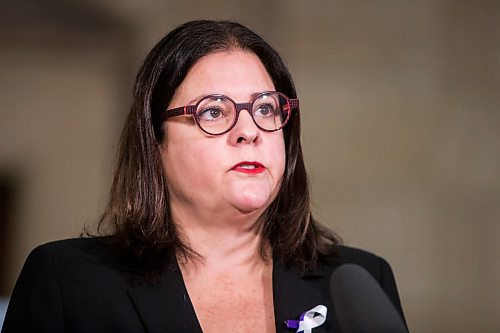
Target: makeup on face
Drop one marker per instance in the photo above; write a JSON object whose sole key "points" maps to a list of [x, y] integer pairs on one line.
{"points": [[249, 167]]}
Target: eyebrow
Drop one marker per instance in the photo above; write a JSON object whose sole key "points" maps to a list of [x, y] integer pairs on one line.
{"points": [[198, 98]]}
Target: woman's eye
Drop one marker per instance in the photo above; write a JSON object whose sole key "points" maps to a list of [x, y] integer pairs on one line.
{"points": [[211, 114], [264, 110]]}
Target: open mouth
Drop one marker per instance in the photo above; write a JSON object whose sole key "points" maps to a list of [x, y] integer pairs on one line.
{"points": [[249, 167]]}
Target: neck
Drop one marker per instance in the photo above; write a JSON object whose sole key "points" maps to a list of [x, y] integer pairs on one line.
{"points": [[223, 241]]}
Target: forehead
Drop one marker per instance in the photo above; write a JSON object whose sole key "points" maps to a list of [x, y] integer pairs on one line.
{"points": [[237, 74]]}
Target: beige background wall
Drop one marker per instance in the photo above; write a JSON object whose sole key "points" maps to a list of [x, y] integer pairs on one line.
{"points": [[401, 115]]}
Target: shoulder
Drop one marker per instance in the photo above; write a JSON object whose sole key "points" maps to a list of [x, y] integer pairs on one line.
{"points": [[355, 255], [77, 266], [72, 249], [377, 266], [74, 255], [71, 244], [373, 263]]}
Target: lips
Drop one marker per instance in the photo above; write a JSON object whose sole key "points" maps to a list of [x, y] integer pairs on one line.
{"points": [[249, 167]]}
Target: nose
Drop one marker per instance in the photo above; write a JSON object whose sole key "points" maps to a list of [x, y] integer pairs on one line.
{"points": [[245, 130]]}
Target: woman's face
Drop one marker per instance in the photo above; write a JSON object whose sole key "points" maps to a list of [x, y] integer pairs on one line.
{"points": [[237, 172]]}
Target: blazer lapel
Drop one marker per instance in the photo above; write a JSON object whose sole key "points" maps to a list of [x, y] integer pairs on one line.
{"points": [[165, 306], [295, 293]]}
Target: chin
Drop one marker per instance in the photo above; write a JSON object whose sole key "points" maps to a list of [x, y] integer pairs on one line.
{"points": [[252, 205], [251, 197]]}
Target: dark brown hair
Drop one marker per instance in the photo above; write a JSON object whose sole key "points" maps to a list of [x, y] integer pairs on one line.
{"points": [[138, 211]]}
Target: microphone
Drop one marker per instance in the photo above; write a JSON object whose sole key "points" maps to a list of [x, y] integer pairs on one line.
{"points": [[361, 305]]}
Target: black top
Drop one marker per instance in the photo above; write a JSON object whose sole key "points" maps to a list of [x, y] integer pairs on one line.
{"points": [[79, 285]]}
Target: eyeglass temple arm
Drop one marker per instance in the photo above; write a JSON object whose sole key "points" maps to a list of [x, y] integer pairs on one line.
{"points": [[294, 104], [182, 110]]}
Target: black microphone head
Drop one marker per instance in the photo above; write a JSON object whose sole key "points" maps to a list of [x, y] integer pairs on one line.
{"points": [[361, 305]]}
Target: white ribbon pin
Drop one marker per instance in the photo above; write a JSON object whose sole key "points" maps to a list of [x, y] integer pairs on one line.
{"points": [[309, 319]]}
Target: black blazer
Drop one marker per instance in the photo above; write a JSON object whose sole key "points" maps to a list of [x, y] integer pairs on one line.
{"points": [[78, 285]]}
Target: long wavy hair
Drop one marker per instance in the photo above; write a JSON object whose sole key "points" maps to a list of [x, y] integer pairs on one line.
{"points": [[138, 212]]}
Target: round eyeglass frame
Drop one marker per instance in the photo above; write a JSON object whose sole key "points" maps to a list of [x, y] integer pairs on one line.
{"points": [[291, 104]]}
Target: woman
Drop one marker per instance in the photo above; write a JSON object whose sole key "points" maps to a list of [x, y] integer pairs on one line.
{"points": [[209, 223]]}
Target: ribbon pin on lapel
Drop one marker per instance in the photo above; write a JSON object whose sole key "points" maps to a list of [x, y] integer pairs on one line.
{"points": [[309, 320]]}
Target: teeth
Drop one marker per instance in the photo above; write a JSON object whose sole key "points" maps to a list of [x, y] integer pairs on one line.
{"points": [[247, 166]]}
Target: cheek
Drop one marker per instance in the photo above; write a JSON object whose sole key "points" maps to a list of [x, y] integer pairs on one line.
{"points": [[279, 159], [177, 150], [189, 167]]}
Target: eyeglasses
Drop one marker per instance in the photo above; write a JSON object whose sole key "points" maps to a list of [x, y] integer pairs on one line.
{"points": [[217, 114]]}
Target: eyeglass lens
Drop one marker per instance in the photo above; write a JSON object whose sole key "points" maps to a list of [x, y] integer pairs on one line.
{"points": [[217, 114]]}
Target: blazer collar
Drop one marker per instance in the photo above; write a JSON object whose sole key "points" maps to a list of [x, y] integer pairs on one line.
{"points": [[166, 304]]}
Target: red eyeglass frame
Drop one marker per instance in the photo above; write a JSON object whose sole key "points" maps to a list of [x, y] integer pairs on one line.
{"points": [[292, 103]]}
